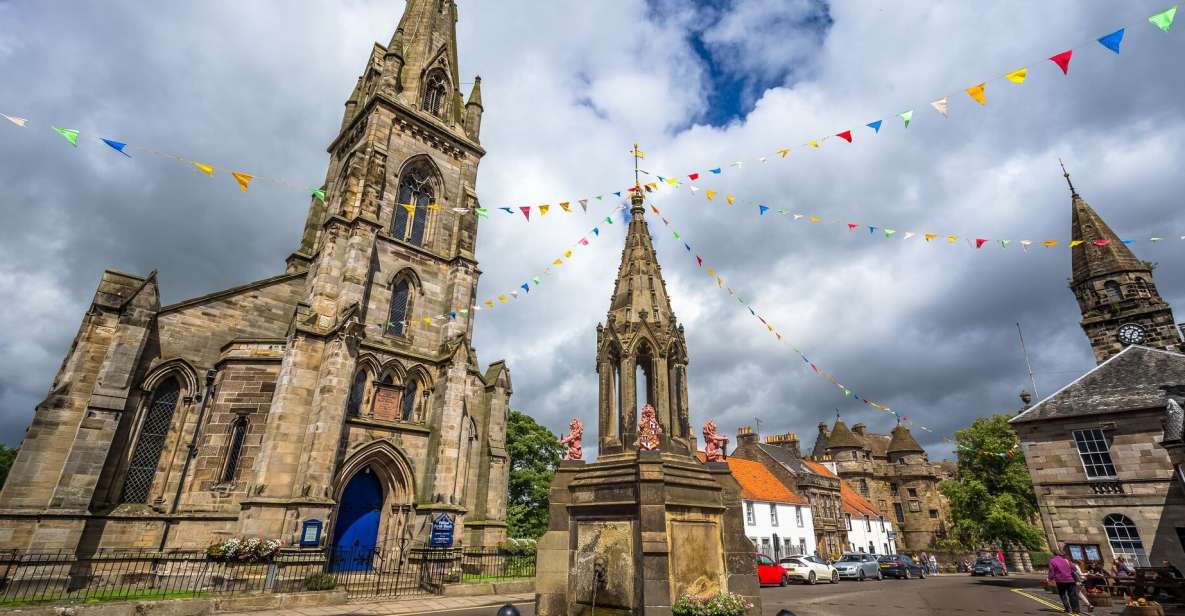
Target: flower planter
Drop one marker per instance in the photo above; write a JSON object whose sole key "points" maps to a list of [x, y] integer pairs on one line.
{"points": [[1151, 609], [1099, 599]]}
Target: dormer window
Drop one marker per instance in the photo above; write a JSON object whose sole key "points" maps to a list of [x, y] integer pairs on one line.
{"points": [[435, 93]]}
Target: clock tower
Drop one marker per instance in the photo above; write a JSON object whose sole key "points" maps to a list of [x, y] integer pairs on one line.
{"points": [[1115, 291]]}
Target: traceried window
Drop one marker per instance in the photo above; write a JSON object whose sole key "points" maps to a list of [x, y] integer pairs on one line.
{"points": [[151, 441], [409, 400], [400, 302], [435, 92], [1095, 452], [238, 433], [357, 393], [415, 190], [1125, 539]]}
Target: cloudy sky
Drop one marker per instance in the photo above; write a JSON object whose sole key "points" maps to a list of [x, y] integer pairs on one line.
{"points": [[928, 329]]}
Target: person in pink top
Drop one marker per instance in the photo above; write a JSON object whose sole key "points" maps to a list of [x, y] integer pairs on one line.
{"points": [[1061, 572]]}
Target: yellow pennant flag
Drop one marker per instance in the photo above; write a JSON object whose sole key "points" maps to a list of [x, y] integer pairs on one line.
{"points": [[1049, 243], [976, 92], [815, 218], [638, 153], [783, 152], [243, 179], [489, 303], [929, 236], [543, 210], [720, 282], [710, 271], [568, 253], [427, 320], [813, 143], [434, 207], [557, 262], [1017, 76], [652, 186], [502, 298], [711, 194], [672, 181], [411, 209], [1074, 243], [206, 169], [771, 327], [730, 199], [952, 238], [566, 207]]}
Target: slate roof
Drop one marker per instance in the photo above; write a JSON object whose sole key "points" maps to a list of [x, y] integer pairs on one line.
{"points": [[784, 457], [1129, 381], [904, 442], [757, 483], [842, 436]]}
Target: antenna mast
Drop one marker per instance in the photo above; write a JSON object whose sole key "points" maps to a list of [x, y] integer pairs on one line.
{"points": [[1032, 380]]}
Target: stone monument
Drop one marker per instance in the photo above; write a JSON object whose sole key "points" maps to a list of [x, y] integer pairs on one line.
{"points": [[646, 521]]}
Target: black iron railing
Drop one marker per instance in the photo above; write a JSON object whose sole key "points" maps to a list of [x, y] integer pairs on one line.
{"points": [[114, 575]]}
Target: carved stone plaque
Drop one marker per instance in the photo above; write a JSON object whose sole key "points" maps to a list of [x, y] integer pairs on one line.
{"points": [[696, 563], [610, 543], [386, 403]]}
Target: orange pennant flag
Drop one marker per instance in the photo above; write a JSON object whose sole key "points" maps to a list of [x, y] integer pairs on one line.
{"points": [[976, 92], [929, 236], [243, 179], [1049, 243], [815, 218], [783, 152], [489, 303], [565, 206]]}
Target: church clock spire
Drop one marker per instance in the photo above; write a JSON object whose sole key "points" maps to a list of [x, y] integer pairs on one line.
{"points": [[1115, 290]]}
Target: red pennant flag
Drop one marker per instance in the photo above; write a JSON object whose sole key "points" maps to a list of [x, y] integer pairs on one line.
{"points": [[1101, 242], [666, 222], [1062, 60], [693, 176], [852, 226], [584, 241], [979, 242], [633, 189], [699, 261], [653, 209], [846, 136], [526, 210]]}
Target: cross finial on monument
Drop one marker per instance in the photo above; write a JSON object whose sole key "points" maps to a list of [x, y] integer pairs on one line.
{"points": [[1067, 176], [637, 198]]}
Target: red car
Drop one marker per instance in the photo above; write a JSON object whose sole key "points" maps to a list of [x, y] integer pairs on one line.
{"points": [[769, 572]]}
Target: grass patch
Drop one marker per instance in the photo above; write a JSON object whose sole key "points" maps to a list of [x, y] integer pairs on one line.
{"points": [[473, 578]]}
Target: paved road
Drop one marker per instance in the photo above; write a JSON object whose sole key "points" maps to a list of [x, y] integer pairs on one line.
{"points": [[954, 595]]}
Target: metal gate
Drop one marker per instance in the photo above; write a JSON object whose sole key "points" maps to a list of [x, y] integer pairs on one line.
{"points": [[393, 572]]}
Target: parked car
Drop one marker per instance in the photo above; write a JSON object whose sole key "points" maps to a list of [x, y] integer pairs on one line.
{"points": [[809, 569], [768, 571], [859, 567], [901, 566], [988, 566]]}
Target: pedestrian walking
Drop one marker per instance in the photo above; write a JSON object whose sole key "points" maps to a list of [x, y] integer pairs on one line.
{"points": [[933, 565], [1061, 573], [1079, 587]]}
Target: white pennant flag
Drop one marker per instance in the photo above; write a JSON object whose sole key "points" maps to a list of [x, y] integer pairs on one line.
{"points": [[693, 187], [909, 234], [15, 120], [942, 106], [1025, 244], [738, 164], [584, 205], [762, 159], [797, 216]]}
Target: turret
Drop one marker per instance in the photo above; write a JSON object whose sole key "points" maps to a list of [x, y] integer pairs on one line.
{"points": [[392, 80], [473, 111], [352, 104]]}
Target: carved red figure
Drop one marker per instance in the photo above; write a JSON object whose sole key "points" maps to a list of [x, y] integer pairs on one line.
{"points": [[648, 429], [572, 440], [714, 444]]}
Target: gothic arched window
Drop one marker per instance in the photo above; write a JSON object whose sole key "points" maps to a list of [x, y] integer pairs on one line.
{"points": [[151, 441], [409, 400], [1124, 538], [357, 393], [416, 190], [1114, 293], [435, 93], [238, 433], [400, 304]]}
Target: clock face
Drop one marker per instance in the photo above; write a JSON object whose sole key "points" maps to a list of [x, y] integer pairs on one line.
{"points": [[1132, 334]]}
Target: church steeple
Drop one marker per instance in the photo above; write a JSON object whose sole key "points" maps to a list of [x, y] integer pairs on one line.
{"points": [[1115, 290], [641, 350]]}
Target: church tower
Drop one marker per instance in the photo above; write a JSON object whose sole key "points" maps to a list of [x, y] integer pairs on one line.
{"points": [[641, 351], [1115, 291]]}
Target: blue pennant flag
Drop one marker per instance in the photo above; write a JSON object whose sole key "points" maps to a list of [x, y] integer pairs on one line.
{"points": [[1112, 41], [661, 179], [716, 170], [762, 209], [596, 231], [507, 210], [625, 216], [1127, 241], [687, 246], [871, 229], [617, 193], [117, 146], [876, 126], [526, 287]]}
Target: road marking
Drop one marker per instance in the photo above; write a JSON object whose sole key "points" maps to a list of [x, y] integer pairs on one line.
{"points": [[1038, 600]]}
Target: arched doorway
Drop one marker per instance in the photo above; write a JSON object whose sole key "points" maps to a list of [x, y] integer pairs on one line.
{"points": [[356, 530]]}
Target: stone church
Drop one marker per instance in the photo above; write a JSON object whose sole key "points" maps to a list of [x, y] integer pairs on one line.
{"points": [[1104, 451], [893, 472], [344, 390]]}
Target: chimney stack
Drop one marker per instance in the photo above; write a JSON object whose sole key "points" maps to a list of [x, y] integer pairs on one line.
{"points": [[745, 436], [788, 441], [859, 428]]}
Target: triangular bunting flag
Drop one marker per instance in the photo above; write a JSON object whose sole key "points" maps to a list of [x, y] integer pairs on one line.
{"points": [[525, 287], [730, 199], [699, 261], [584, 204], [206, 169], [1049, 243], [1164, 20], [435, 207], [1017, 76], [535, 279], [507, 210], [566, 207], [909, 234], [813, 143], [583, 241], [907, 116], [69, 134], [876, 126], [783, 152], [411, 208], [526, 210], [711, 194], [503, 298], [1004, 243], [15, 120], [243, 179], [929, 236], [481, 211], [608, 220], [693, 176], [890, 232], [979, 242], [1101, 242], [852, 226], [489, 303], [976, 92], [1062, 60], [119, 146], [846, 135], [1074, 243], [762, 209], [543, 210], [568, 254], [318, 194], [941, 106], [716, 170], [1112, 41]]}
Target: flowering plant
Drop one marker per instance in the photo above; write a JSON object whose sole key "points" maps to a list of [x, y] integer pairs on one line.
{"points": [[242, 549], [719, 604]]}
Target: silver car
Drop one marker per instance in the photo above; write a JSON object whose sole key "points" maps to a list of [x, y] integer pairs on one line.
{"points": [[859, 566]]}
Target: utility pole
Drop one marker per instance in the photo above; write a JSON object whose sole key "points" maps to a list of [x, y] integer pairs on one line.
{"points": [[1032, 379]]}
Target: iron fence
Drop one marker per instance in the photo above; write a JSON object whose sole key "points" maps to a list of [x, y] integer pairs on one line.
{"points": [[112, 575]]}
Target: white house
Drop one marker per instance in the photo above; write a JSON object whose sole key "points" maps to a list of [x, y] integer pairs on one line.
{"points": [[777, 520], [868, 530]]}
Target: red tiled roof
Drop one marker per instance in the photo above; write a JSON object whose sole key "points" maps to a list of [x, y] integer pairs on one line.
{"points": [[757, 483], [855, 504]]}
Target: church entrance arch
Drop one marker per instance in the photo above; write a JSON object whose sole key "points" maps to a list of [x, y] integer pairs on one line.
{"points": [[355, 534]]}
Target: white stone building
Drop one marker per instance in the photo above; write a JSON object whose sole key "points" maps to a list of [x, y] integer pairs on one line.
{"points": [[777, 520]]}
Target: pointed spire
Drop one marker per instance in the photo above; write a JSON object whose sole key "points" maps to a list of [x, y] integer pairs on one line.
{"points": [[395, 47], [1101, 252], [640, 294], [429, 42], [842, 437], [903, 441], [475, 93]]}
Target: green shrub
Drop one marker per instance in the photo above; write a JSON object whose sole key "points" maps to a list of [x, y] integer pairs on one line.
{"points": [[320, 581], [1040, 559]]}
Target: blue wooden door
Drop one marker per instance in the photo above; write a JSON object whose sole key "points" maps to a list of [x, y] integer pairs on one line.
{"points": [[356, 530]]}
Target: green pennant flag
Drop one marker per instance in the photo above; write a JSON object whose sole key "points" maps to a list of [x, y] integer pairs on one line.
{"points": [[1164, 20], [535, 280], [889, 232], [676, 234], [481, 211], [70, 134], [608, 220], [318, 193], [907, 116]]}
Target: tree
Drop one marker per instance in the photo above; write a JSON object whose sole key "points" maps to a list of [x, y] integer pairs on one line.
{"points": [[991, 500], [7, 455], [534, 456]]}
